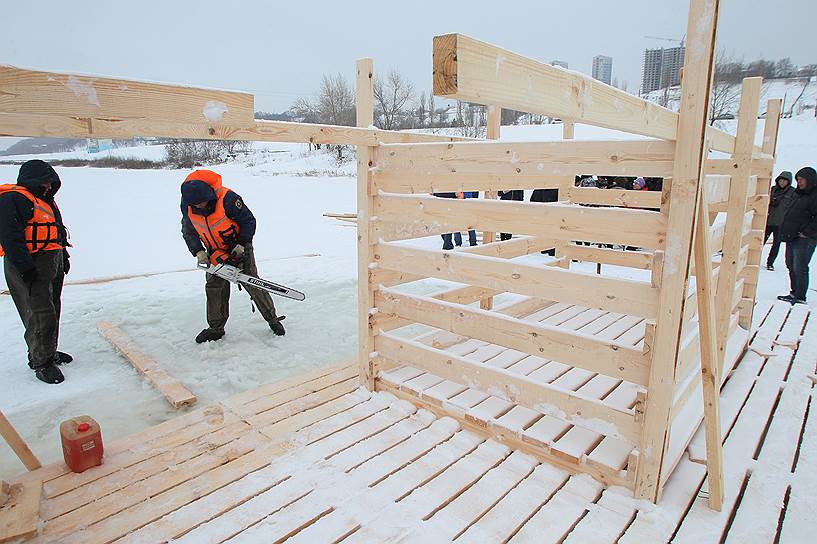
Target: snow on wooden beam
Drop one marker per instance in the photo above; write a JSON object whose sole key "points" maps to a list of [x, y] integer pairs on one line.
{"points": [[415, 215], [474, 71], [611, 294], [489, 166], [173, 390]]}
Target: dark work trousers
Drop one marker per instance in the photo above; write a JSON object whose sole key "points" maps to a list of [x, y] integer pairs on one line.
{"points": [[218, 295], [798, 255], [774, 232], [516, 194], [447, 244], [39, 304]]}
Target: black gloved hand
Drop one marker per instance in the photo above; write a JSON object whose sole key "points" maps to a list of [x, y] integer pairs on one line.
{"points": [[66, 262], [29, 276]]}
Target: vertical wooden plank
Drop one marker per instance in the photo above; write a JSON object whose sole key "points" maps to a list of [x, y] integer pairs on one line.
{"points": [[566, 183], [568, 130], [17, 444], [710, 366], [492, 132], [686, 178], [773, 109], [736, 208], [365, 203]]}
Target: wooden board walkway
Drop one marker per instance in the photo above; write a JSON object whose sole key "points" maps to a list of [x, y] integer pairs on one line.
{"points": [[315, 459]]}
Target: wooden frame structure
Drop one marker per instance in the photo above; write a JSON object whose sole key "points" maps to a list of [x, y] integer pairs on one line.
{"points": [[624, 370], [608, 375]]}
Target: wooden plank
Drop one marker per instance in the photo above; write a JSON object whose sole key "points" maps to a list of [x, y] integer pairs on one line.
{"points": [[415, 216], [689, 159], [642, 260], [20, 516], [493, 129], [70, 95], [491, 166], [710, 364], [732, 241], [605, 521], [474, 71], [613, 197], [365, 204], [588, 290], [172, 389], [609, 357], [17, 444], [578, 409]]}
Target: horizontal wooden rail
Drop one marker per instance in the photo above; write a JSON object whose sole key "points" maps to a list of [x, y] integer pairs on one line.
{"points": [[573, 407], [415, 216], [474, 71], [611, 294], [612, 197], [641, 260], [607, 357], [761, 167], [490, 166]]}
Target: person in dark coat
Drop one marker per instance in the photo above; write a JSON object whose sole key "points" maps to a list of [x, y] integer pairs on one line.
{"points": [[472, 234], [33, 239], [779, 201], [517, 194], [546, 195], [448, 244], [799, 231]]}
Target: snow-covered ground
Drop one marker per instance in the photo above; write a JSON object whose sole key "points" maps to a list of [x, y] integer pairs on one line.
{"points": [[127, 222]]}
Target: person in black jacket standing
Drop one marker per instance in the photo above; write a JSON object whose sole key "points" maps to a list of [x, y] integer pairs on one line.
{"points": [[799, 231], [780, 199], [33, 239]]}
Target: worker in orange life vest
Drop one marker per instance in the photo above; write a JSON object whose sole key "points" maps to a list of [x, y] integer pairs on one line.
{"points": [[218, 227], [33, 241]]}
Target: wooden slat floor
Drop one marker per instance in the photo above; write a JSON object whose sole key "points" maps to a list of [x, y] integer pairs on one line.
{"points": [[316, 459]]}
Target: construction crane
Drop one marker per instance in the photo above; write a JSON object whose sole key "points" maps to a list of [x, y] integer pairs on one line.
{"points": [[663, 83], [680, 41]]}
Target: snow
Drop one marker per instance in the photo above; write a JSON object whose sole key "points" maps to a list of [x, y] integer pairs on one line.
{"points": [[126, 222]]}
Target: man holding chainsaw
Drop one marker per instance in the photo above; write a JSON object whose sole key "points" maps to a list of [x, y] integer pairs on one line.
{"points": [[218, 228]]}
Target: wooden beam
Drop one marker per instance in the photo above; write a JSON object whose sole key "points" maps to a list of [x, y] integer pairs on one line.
{"points": [[613, 197], [710, 364], [414, 216], [17, 444], [607, 357], [688, 172], [20, 517], [577, 409], [642, 260], [490, 166], [172, 389], [365, 204], [493, 131], [612, 294], [736, 212]]}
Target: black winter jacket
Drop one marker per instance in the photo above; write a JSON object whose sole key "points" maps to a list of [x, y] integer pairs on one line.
{"points": [[780, 200], [801, 217], [241, 214], [16, 211]]}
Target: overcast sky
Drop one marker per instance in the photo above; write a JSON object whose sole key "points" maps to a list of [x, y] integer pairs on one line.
{"points": [[278, 50]]}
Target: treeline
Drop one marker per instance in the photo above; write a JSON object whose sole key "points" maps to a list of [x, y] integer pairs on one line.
{"points": [[733, 70]]}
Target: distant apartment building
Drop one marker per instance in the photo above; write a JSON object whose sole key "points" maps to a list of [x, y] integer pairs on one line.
{"points": [[561, 63], [661, 68], [603, 68]]}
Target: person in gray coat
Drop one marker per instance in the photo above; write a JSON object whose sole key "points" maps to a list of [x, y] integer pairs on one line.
{"points": [[779, 202]]}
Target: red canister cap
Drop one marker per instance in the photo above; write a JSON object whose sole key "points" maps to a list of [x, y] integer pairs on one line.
{"points": [[83, 427]]}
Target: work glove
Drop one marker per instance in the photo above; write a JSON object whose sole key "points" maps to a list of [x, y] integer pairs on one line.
{"points": [[66, 262], [202, 258], [238, 252]]}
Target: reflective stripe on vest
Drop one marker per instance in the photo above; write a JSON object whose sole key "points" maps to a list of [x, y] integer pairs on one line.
{"points": [[42, 233]]}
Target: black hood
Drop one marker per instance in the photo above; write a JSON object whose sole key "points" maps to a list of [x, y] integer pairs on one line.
{"points": [[36, 173], [195, 192], [785, 174], [810, 175]]}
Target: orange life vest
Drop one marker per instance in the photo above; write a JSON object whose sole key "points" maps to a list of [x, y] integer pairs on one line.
{"points": [[217, 232], [42, 232]]}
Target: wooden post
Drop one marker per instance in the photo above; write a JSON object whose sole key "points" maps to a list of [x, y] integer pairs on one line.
{"points": [[710, 364], [18, 445], [568, 133], [365, 203], [5, 492], [736, 208], [492, 132], [773, 109], [686, 178]]}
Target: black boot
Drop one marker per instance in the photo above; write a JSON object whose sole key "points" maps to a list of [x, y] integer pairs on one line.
{"points": [[209, 335], [276, 326], [49, 373], [63, 358]]}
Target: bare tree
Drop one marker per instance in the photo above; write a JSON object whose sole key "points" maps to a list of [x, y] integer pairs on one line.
{"points": [[725, 94], [391, 98], [421, 110], [336, 101]]}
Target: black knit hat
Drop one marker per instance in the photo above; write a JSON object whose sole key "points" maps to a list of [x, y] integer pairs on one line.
{"points": [[36, 172]]}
